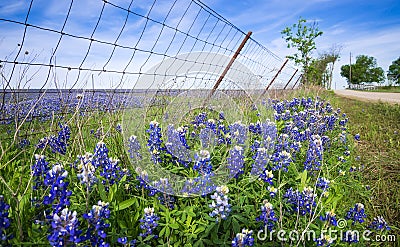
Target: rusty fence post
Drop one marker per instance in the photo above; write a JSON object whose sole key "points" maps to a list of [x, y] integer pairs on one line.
{"points": [[221, 77], [287, 84], [297, 81], [276, 75]]}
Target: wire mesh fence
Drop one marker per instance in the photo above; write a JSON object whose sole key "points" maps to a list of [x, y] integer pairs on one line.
{"points": [[60, 58]]}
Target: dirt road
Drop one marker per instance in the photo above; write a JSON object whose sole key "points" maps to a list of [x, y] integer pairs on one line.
{"points": [[393, 98]]}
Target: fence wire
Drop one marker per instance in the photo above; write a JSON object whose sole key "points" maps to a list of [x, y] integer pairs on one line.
{"points": [[57, 56]]}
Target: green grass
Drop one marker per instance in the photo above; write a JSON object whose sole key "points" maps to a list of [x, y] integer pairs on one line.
{"points": [[379, 127], [386, 89]]}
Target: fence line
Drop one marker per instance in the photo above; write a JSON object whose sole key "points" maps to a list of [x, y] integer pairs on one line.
{"points": [[127, 46]]}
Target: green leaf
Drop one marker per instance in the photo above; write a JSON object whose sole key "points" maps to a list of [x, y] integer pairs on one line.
{"points": [[102, 191], [174, 225], [125, 204]]}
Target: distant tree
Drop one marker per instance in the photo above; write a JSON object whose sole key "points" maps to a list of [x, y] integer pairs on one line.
{"points": [[394, 71], [321, 69], [331, 57], [302, 37], [364, 70]]}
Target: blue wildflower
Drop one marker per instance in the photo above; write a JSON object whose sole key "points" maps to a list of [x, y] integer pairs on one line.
{"points": [[379, 224], [59, 194], [267, 215], [267, 177], [149, 223], [357, 214], [220, 203], [4, 221], [261, 159], [96, 219], [64, 229], [243, 239], [325, 241], [58, 144], [323, 183], [154, 142], [39, 170], [236, 162], [86, 170], [238, 132], [301, 202], [203, 162], [330, 217]]}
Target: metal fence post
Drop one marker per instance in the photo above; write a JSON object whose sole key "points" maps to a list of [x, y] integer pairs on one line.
{"points": [[276, 75], [298, 79], [287, 84], [221, 77]]}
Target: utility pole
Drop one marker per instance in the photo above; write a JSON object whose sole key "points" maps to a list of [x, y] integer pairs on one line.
{"points": [[350, 71]]}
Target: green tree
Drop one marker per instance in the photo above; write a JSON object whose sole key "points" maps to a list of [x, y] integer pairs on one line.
{"points": [[394, 71], [364, 70], [301, 36], [321, 69]]}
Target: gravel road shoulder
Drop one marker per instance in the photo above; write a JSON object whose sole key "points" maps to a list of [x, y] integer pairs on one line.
{"points": [[393, 98]]}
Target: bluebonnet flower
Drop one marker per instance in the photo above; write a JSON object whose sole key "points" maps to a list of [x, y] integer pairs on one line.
{"points": [[154, 142], [149, 223], [243, 239], [268, 134], [330, 217], [86, 170], [144, 182], [281, 159], [207, 137], [23, 143], [357, 137], [267, 176], [134, 148], [201, 185], [357, 214], [223, 135], [220, 203], [255, 128], [199, 120], [58, 144], [379, 223], [59, 194], [221, 115], [302, 202], [64, 229], [110, 169], [261, 159], [350, 236], [211, 124], [203, 162], [124, 241], [238, 132], [96, 218], [118, 128], [323, 183], [267, 215], [4, 221], [177, 145], [272, 191], [314, 154], [39, 170], [236, 162], [325, 241]]}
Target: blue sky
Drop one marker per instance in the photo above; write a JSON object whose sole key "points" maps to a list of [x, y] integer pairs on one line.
{"points": [[361, 27], [367, 27]]}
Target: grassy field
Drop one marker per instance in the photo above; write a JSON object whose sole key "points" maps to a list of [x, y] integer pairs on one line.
{"points": [[386, 89], [379, 127]]}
